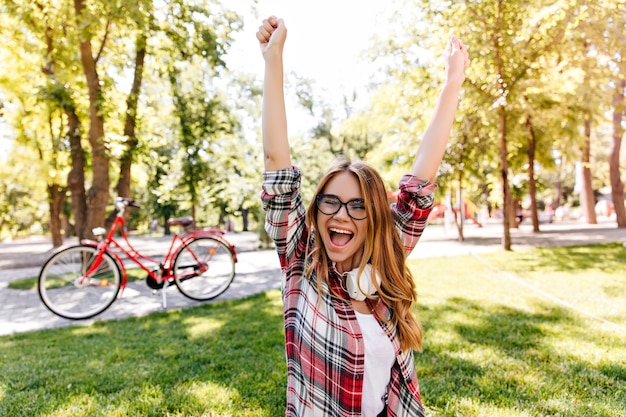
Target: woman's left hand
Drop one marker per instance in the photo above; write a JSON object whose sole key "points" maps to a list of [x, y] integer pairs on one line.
{"points": [[456, 60]]}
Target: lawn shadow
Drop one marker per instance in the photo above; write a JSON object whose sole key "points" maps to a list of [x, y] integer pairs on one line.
{"points": [[213, 359], [508, 358]]}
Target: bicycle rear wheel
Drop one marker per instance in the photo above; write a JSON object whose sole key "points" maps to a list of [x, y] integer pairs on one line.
{"points": [[66, 291], [204, 268]]}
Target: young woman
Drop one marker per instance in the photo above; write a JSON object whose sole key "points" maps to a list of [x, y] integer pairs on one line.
{"points": [[347, 294]]}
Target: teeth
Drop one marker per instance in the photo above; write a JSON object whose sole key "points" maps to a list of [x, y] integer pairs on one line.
{"points": [[345, 232]]}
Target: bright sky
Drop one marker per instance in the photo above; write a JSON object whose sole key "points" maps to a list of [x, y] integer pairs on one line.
{"points": [[325, 40]]}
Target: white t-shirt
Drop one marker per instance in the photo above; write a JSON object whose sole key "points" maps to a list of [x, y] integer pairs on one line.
{"points": [[379, 358]]}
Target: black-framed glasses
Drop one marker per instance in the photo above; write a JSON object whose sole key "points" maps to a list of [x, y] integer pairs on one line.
{"points": [[331, 204]]}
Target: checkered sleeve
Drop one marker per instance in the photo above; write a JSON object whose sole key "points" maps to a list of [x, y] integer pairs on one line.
{"points": [[284, 210], [411, 210]]}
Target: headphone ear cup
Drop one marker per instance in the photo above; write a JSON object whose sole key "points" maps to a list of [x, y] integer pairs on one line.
{"points": [[361, 287]]}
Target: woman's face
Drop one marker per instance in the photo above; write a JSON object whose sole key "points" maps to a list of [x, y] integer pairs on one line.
{"points": [[343, 236]]}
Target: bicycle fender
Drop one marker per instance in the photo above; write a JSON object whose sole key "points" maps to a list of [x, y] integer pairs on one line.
{"points": [[213, 233]]}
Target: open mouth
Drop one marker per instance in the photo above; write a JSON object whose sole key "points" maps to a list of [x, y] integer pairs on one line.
{"points": [[340, 237]]}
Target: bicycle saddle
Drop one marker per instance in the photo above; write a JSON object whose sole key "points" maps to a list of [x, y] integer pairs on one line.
{"points": [[181, 221]]}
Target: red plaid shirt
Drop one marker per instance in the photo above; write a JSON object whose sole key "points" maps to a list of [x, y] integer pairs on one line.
{"points": [[324, 344]]}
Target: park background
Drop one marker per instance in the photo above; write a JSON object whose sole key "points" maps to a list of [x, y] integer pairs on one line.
{"points": [[160, 101]]}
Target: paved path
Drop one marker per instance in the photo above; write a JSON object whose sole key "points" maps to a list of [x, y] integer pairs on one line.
{"points": [[23, 311], [257, 270]]}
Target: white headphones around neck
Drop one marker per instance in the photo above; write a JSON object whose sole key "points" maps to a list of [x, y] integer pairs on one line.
{"points": [[366, 287]]}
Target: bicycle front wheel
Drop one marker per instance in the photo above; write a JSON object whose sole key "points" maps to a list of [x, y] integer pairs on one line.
{"points": [[75, 285], [204, 268]]}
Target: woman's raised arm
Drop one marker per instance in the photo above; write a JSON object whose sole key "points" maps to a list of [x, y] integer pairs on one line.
{"points": [[435, 140], [271, 35]]}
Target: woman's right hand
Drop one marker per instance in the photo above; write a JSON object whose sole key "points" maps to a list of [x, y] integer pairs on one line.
{"points": [[271, 35]]}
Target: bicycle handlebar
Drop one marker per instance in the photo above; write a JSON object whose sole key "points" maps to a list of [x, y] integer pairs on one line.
{"points": [[123, 202]]}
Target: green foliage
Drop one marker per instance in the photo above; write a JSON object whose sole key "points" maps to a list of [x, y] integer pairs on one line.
{"points": [[44, 57], [198, 125], [21, 206], [526, 58]]}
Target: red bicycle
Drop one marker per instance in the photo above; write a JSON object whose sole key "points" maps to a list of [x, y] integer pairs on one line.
{"points": [[82, 281]]}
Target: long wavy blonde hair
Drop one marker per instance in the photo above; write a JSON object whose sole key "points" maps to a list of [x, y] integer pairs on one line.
{"points": [[383, 250]]}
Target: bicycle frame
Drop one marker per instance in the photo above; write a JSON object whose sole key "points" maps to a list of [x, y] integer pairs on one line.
{"points": [[108, 244], [81, 281]]}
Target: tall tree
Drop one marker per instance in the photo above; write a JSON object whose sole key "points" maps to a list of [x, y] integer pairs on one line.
{"points": [[519, 36], [541, 134], [616, 48], [101, 31], [599, 42], [617, 186], [587, 198], [468, 156], [59, 94], [45, 36], [98, 196], [130, 123], [198, 38], [509, 38]]}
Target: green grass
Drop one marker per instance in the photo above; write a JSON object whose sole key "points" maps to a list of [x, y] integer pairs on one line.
{"points": [[132, 274], [529, 333], [512, 334]]}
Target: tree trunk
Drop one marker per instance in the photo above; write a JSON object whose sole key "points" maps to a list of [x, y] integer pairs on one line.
{"points": [[193, 212], [587, 199], [507, 201], [558, 191], [124, 183], [515, 213], [123, 188], [617, 186], [244, 219], [459, 199], [532, 187], [56, 196], [76, 176], [98, 195], [167, 230]]}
